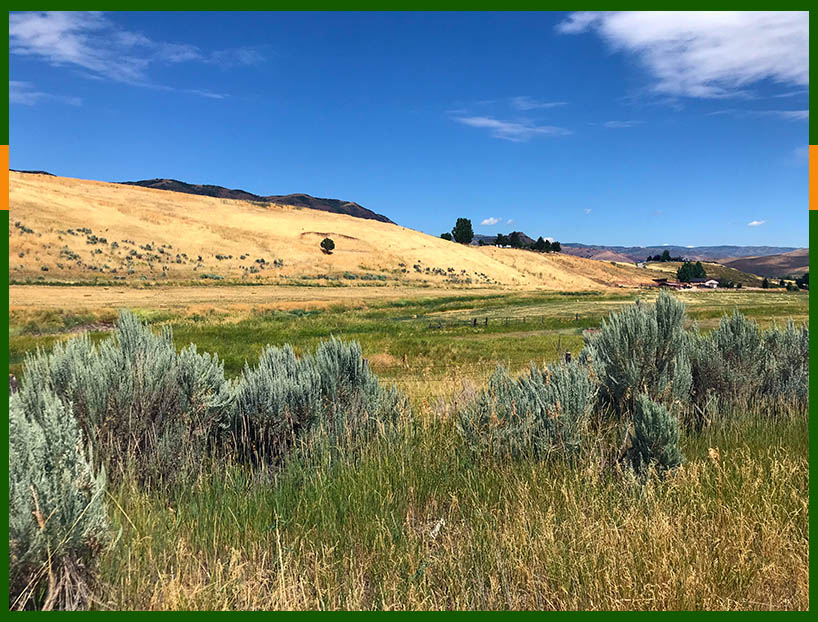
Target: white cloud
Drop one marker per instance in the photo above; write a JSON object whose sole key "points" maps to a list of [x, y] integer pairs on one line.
{"points": [[24, 93], [756, 223], [706, 53], [588, 210], [487, 222], [92, 43], [514, 131], [787, 115], [524, 102], [613, 125], [510, 221]]}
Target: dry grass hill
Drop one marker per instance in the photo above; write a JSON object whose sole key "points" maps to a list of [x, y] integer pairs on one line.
{"points": [[793, 263], [63, 229]]}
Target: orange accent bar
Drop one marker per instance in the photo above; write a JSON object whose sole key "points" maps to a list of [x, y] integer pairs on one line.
{"points": [[813, 177], [4, 190]]}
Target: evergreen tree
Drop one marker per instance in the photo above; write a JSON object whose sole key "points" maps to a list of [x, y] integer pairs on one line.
{"points": [[555, 246], [463, 232], [539, 245], [515, 240], [501, 240], [446, 236], [665, 256], [548, 246]]}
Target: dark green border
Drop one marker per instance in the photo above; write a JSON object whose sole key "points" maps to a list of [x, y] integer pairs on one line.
{"points": [[459, 5]]}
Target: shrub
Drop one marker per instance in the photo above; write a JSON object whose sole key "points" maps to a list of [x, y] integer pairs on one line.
{"points": [[542, 412], [57, 514], [327, 245], [786, 364], [727, 364], [143, 406], [642, 349], [284, 398], [655, 436]]}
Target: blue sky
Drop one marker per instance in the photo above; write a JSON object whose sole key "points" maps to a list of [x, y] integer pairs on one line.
{"points": [[602, 128]]}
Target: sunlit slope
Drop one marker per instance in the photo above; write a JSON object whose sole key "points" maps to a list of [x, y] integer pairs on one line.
{"points": [[75, 230]]}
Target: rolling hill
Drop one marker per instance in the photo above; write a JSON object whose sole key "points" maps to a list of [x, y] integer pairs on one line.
{"points": [[693, 253], [63, 229], [713, 270], [335, 206], [794, 263]]}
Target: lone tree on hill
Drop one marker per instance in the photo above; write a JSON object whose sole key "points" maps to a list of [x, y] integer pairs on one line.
{"points": [[446, 236], [327, 245], [462, 232]]}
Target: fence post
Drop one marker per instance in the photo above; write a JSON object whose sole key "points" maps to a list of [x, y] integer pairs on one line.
{"points": [[474, 321], [486, 322]]}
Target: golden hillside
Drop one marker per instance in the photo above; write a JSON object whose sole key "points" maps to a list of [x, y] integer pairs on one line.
{"points": [[63, 229]]}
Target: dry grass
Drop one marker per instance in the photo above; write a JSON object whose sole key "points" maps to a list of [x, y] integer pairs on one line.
{"points": [[196, 226], [417, 525]]}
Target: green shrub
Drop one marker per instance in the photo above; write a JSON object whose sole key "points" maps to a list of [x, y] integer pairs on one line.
{"points": [[283, 399], [542, 412], [57, 513], [642, 349], [143, 406], [738, 364], [727, 364], [655, 436], [786, 364]]}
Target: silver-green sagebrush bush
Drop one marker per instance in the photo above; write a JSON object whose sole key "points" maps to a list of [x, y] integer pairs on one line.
{"points": [[537, 414], [642, 349], [57, 513], [144, 406], [738, 364], [786, 364], [655, 436], [285, 398]]}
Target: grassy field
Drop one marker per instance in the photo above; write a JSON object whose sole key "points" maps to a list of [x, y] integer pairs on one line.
{"points": [[416, 520], [425, 344]]}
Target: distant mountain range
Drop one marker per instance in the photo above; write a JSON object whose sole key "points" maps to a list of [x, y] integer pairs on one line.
{"points": [[696, 253], [335, 206]]}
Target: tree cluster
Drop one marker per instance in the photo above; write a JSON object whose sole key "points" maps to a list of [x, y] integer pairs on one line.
{"points": [[689, 271], [803, 281], [665, 256]]}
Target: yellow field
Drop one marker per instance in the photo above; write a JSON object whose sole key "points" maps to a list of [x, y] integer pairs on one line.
{"points": [[139, 233]]}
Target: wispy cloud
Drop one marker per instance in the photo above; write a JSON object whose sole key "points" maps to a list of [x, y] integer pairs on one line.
{"points": [[756, 223], [515, 131], [24, 93], [524, 102], [614, 125], [98, 48], [510, 221], [787, 115], [706, 54], [491, 220], [587, 210]]}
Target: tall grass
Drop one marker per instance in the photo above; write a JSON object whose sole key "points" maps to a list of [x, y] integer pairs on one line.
{"points": [[416, 521]]}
